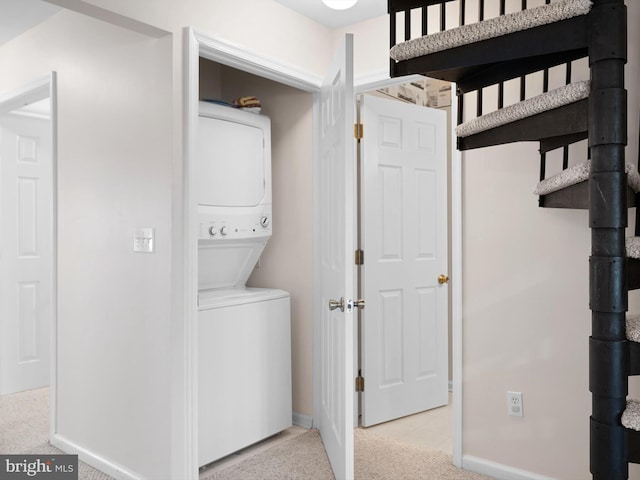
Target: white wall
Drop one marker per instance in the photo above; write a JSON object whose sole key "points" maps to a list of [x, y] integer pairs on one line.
{"points": [[526, 297], [114, 175], [526, 318], [370, 47]]}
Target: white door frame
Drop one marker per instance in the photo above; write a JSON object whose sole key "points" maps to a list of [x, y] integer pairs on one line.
{"points": [[381, 80], [218, 50], [41, 88], [221, 51]]}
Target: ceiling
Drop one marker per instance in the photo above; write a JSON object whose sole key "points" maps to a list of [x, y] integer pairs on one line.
{"points": [[318, 11], [18, 16]]}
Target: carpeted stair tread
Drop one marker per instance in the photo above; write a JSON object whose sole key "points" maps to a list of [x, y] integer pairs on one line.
{"points": [[631, 415], [633, 327], [541, 103], [580, 173], [633, 247], [491, 28]]}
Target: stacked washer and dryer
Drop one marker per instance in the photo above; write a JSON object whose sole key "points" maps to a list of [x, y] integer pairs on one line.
{"points": [[244, 348]]}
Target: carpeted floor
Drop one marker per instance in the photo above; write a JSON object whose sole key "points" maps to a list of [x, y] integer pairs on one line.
{"points": [[376, 458], [24, 428], [24, 420], [381, 458]]}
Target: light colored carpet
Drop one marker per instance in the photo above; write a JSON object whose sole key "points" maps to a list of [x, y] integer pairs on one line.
{"points": [[24, 428], [579, 173], [532, 106], [631, 416], [493, 27], [633, 327], [632, 245], [376, 458], [301, 458], [380, 458], [24, 420]]}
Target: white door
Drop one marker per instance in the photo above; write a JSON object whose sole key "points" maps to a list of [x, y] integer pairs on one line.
{"points": [[336, 169], [26, 256], [404, 202]]}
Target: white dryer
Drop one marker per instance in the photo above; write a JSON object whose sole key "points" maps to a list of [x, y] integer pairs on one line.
{"points": [[244, 334], [233, 162]]}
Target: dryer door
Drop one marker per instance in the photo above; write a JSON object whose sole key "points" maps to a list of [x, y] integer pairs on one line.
{"points": [[231, 163]]}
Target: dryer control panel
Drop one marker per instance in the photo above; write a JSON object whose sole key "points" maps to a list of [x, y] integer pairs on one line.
{"points": [[234, 226]]}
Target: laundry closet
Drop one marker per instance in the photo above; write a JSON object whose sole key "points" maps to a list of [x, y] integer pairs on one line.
{"points": [[243, 391]]}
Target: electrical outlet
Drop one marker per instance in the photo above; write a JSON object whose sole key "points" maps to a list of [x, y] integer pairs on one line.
{"points": [[514, 404]]}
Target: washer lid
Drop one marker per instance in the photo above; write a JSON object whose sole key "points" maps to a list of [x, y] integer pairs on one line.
{"points": [[226, 297]]}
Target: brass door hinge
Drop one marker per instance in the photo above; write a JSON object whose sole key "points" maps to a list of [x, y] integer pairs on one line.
{"points": [[359, 383], [359, 257], [358, 131]]}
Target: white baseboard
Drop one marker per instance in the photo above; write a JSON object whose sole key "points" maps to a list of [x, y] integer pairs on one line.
{"points": [[96, 461], [301, 420], [497, 470]]}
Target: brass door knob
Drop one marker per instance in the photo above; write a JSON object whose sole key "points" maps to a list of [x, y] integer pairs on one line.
{"points": [[442, 279]]}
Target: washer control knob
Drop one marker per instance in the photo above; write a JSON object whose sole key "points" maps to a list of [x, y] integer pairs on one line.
{"points": [[264, 221], [224, 231], [212, 231]]}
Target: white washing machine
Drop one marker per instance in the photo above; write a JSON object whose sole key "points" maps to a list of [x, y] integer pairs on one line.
{"points": [[244, 370], [244, 347]]}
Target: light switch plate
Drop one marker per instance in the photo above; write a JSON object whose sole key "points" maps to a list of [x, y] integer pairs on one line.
{"points": [[143, 240]]}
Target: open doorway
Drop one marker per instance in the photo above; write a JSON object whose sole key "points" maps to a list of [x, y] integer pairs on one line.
{"points": [[405, 333], [28, 262], [247, 63], [288, 255]]}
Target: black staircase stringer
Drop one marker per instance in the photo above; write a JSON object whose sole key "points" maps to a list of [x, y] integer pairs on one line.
{"points": [[633, 274], [577, 197], [633, 445], [551, 143], [608, 296], [634, 362], [566, 120]]}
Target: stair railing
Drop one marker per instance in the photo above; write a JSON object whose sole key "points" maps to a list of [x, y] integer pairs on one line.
{"points": [[404, 9]]}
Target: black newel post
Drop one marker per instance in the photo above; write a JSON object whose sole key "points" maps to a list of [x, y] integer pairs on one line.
{"points": [[608, 349]]}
